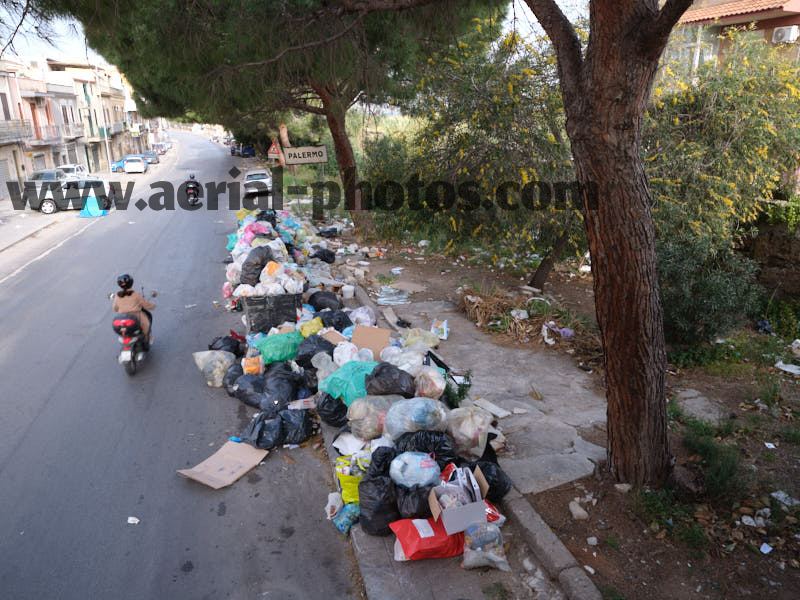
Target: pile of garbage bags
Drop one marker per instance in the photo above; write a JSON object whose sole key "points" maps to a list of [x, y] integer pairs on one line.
{"points": [[408, 464]]}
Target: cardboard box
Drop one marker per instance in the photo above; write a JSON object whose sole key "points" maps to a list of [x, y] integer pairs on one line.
{"points": [[459, 518], [374, 338], [226, 465], [334, 337]]}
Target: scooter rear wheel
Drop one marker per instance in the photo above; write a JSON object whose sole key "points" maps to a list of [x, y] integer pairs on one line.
{"points": [[130, 366]]}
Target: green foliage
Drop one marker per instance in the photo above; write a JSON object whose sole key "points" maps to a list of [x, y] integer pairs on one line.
{"points": [[454, 395], [488, 116], [724, 477], [706, 287], [784, 317], [791, 434]]}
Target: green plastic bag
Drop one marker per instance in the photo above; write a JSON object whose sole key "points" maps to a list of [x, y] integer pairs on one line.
{"points": [[279, 347], [232, 239], [348, 381]]}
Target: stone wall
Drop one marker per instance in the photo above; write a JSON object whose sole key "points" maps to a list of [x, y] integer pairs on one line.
{"points": [[777, 251]]}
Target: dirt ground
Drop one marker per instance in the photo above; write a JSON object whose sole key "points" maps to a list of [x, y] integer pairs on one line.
{"points": [[632, 559]]}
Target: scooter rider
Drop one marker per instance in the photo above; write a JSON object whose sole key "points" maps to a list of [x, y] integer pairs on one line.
{"points": [[192, 184], [132, 302]]}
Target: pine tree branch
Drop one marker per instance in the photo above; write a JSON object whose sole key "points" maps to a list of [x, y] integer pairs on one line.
{"points": [[565, 41]]}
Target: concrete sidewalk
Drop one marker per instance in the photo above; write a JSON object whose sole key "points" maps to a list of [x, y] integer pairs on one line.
{"points": [[544, 450]]}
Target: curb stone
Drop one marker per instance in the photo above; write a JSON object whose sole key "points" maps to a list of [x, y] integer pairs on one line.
{"points": [[549, 550]]}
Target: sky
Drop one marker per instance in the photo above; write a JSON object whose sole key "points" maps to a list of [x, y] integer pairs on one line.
{"points": [[67, 43]]}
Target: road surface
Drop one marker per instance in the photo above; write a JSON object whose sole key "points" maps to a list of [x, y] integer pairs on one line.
{"points": [[83, 447]]}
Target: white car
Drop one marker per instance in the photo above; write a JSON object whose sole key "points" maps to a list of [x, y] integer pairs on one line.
{"points": [[135, 164], [75, 170], [257, 182]]}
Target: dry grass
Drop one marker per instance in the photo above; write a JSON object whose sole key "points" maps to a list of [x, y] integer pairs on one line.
{"points": [[492, 311]]}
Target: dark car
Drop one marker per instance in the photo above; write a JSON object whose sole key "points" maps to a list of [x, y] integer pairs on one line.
{"points": [[72, 195], [248, 150], [151, 156]]}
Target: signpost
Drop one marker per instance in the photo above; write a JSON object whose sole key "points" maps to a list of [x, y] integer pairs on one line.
{"points": [[274, 151], [306, 155]]}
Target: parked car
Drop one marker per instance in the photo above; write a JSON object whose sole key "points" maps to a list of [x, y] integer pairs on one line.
{"points": [[135, 164], [247, 150], [74, 170], [72, 195], [151, 156], [32, 187], [257, 182], [119, 165], [160, 147]]}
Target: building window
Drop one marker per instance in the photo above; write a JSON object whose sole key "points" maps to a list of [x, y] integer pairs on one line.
{"points": [[6, 112]]}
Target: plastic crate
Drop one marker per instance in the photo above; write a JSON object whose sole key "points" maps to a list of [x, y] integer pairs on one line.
{"points": [[265, 312]]}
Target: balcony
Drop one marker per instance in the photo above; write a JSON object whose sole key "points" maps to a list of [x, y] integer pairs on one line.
{"points": [[73, 130], [117, 127], [15, 130], [44, 135]]}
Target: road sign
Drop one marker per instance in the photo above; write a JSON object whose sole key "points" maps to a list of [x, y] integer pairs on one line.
{"points": [[306, 155], [274, 150]]}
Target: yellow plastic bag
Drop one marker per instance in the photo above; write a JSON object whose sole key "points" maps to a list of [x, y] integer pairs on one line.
{"points": [[348, 483], [311, 327], [243, 212]]}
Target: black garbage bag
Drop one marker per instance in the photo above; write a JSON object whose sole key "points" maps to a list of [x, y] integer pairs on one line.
{"points": [[263, 431], [377, 499], [499, 483], [303, 392], [325, 255], [255, 262], [380, 462], [297, 426], [436, 443], [231, 375], [228, 344], [249, 389], [387, 379], [412, 502], [322, 300], [337, 319], [280, 387], [269, 216], [310, 380], [328, 232], [331, 410], [311, 346]]}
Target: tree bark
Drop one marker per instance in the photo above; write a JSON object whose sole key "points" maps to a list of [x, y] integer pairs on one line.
{"points": [[336, 116], [605, 93], [546, 266]]}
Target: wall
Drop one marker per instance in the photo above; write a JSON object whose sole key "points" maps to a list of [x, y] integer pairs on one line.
{"points": [[777, 250]]}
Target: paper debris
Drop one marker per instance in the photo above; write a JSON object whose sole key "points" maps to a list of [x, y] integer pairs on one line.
{"points": [[498, 412], [133, 521]]}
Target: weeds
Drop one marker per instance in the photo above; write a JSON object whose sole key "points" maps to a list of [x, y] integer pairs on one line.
{"points": [[612, 542], [611, 593], [790, 434], [721, 464], [769, 389]]}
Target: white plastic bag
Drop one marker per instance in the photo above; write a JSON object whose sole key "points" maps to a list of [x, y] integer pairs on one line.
{"points": [[469, 426], [363, 315], [279, 252], [430, 383], [233, 273], [244, 290], [344, 353], [213, 364]]}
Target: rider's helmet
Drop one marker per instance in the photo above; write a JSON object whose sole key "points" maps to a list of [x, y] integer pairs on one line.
{"points": [[125, 281], [191, 176]]}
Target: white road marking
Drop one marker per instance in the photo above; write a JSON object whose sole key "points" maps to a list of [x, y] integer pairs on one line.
{"points": [[46, 252]]}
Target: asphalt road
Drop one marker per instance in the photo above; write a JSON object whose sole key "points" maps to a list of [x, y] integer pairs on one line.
{"points": [[83, 446]]}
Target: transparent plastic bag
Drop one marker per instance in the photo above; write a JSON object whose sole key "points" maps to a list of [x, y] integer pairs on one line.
{"points": [[469, 427], [414, 468], [483, 547], [419, 339], [430, 383], [368, 414], [214, 364], [324, 365], [415, 414]]}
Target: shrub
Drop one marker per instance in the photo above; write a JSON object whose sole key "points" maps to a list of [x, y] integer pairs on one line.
{"points": [[706, 288]]}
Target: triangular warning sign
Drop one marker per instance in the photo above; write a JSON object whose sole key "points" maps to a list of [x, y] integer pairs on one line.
{"points": [[274, 150]]}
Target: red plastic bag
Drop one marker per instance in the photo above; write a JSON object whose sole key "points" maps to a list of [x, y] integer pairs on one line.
{"points": [[425, 538], [493, 514]]}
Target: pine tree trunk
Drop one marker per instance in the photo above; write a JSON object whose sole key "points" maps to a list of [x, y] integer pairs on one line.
{"points": [[546, 266]]}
